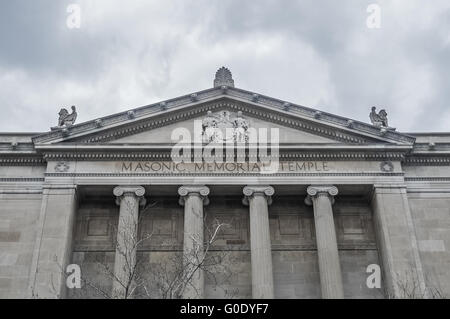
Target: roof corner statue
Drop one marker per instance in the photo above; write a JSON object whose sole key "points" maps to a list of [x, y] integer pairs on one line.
{"points": [[379, 119], [223, 78], [65, 118]]}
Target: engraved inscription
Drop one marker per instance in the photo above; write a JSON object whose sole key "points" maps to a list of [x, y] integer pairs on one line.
{"points": [[172, 167]]}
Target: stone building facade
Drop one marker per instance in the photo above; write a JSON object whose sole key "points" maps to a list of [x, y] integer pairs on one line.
{"points": [[345, 196]]}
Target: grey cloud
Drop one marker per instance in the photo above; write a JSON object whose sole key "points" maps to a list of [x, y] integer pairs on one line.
{"points": [[318, 53]]}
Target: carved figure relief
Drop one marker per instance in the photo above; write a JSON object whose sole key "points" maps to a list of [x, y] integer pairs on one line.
{"points": [[221, 127]]}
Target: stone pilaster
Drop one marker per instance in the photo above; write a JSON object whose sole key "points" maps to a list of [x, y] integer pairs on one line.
{"points": [[128, 198], [397, 243], [258, 198], [193, 198], [53, 245], [322, 199]]}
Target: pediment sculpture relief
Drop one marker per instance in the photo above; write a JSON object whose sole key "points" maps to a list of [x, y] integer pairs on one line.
{"points": [[222, 127]]}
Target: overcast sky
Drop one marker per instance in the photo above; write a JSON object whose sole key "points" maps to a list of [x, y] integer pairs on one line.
{"points": [[317, 53]]}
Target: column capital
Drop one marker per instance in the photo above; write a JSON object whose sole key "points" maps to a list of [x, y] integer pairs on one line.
{"points": [[257, 190], [320, 190], [201, 191], [136, 191]]}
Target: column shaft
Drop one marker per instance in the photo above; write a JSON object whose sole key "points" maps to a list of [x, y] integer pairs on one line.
{"points": [[327, 249], [258, 199], [129, 199], [193, 198]]}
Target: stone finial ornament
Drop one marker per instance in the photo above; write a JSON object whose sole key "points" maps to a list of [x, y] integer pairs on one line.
{"points": [[223, 78], [66, 119]]}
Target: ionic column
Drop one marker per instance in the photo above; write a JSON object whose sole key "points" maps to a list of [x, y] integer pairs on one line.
{"points": [[258, 198], [322, 198], [193, 198], [128, 198]]}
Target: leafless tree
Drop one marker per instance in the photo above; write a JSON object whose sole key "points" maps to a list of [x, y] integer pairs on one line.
{"points": [[167, 279], [409, 287], [172, 279]]}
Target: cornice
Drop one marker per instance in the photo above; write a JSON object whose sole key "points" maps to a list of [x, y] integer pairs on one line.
{"points": [[22, 160], [427, 179], [159, 114], [21, 180], [168, 147], [368, 174], [165, 155], [319, 116], [130, 116], [427, 160], [431, 148], [198, 110], [100, 152], [16, 147]]}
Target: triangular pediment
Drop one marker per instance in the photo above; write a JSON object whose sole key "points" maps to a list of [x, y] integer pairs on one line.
{"points": [[163, 135], [155, 123]]}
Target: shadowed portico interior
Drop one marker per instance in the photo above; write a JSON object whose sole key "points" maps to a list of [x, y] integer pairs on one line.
{"points": [[292, 232]]}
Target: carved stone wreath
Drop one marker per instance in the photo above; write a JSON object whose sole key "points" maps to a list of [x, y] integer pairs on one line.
{"points": [[386, 167], [62, 167]]}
